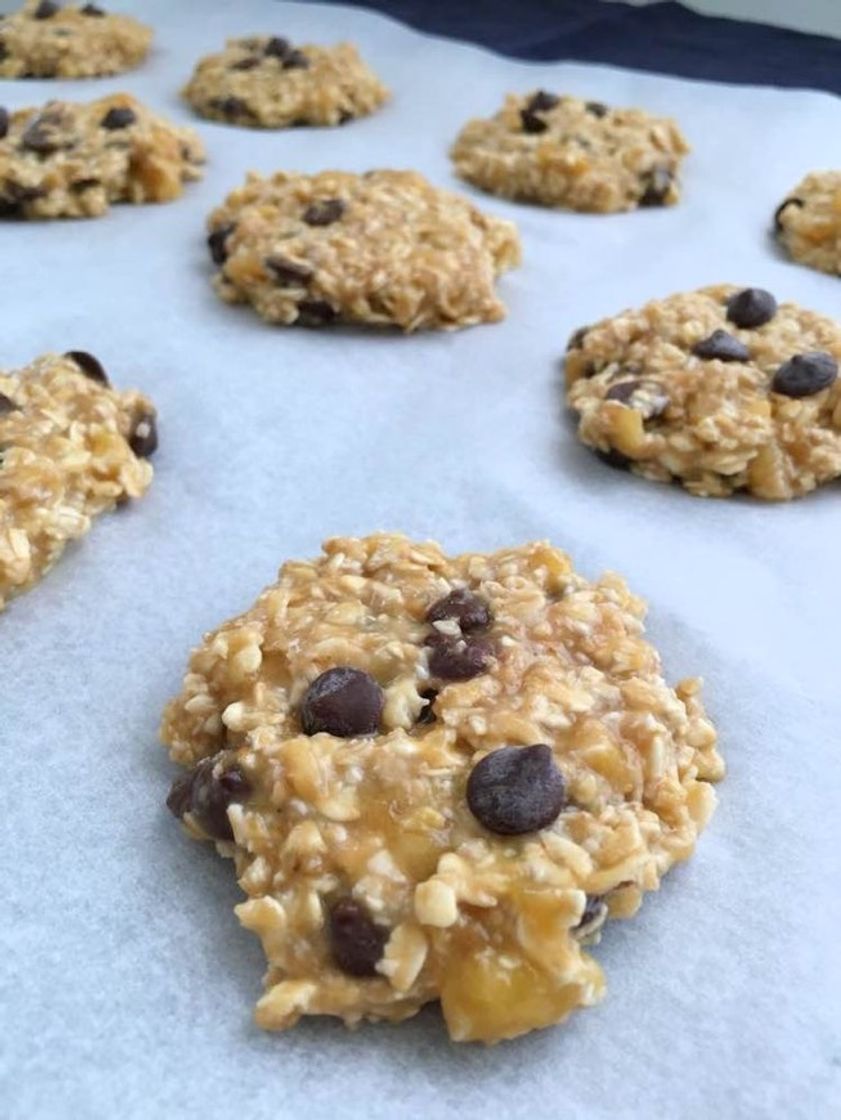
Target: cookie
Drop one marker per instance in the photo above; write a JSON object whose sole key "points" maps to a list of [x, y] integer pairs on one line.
{"points": [[72, 160], [722, 390], [572, 154], [71, 447], [437, 777], [383, 248], [47, 40], [265, 82], [807, 223]]}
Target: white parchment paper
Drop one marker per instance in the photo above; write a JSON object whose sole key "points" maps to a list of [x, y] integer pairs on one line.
{"points": [[127, 985]]}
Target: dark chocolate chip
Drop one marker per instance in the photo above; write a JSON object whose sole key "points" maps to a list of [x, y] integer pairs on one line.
{"points": [[657, 184], [541, 101], [531, 122], [427, 712], [514, 790], [470, 611], [356, 941], [7, 405], [89, 365], [143, 439], [4, 122], [286, 272], [457, 659], [614, 459], [342, 701], [39, 136], [723, 346], [92, 10], [216, 243], [46, 10], [324, 212], [277, 47], [646, 397], [597, 108], [805, 374], [3, 52], [316, 313], [296, 60], [245, 64], [120, 116], [576, 339], [230, 106], [206, 796], [751, 307], [778, 225], [14, 196]]}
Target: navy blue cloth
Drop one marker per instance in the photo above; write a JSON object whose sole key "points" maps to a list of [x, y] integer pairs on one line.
{"points": [[664, 37]]}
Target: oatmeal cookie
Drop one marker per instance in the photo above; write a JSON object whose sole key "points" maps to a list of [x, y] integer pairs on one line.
{"points": [[807, 223], [71, 447], [437, 777], [572, 154], [721, 389], [48, 40], [381, 248], [265, 82], [72, 160]]}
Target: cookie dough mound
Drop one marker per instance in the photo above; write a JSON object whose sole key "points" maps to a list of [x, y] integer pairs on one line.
{"points": [[437, 777], [807, 223], [72, 160], [47, 40], [721, 389], [572, 154], [71, 447], [381, 248], [263, 82]]}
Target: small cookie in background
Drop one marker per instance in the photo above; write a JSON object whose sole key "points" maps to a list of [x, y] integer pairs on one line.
{"points": [[265, 82], [807, 223], [385, 248], [572, 154], [49, 40], [722, 390]]}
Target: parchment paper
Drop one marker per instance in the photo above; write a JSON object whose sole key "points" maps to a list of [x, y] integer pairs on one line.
{"points": [[127, 982]]}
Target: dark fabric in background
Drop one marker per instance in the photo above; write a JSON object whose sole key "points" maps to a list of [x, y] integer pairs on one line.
{"points": [[663, 37]]}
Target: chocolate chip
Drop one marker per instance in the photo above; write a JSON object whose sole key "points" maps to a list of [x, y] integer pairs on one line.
{"points": [[4, 122], [657, 185], [723, 346], [778, 225], [7, 405], [514, 790], [324, 212], [143, 439], [646, 397], [92, 10], [216, 243], [356, 941], [805, 374], [541, 101], [39, 136], [89, 365], [118, 117], [286, 272], [597, 108], [206, 796], [14, 196], [751, 307], [245, 64], [457, 659], [277, 47], [531, 122], [230, 106], [342, 701], [576, 339], [470, 611], [3, 51], [45, 10], [316, 313], [614, 459], [427, 712], [296, 60]]}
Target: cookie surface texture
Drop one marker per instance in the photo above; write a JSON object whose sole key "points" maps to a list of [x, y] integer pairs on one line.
{"points": [[807, 223]]}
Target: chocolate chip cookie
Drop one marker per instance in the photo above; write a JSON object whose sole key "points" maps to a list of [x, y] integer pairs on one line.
{"points": [[265, 82], [722, 389], [383, 248], [807, 223], [573, 154], [49, 40], [438, 777], [71, 447], [72, 160]]}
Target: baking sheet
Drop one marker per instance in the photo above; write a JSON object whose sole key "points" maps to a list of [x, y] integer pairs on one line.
{"points": [[127, 984]]}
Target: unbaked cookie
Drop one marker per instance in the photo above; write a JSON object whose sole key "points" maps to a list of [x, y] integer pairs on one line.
{"points": [[807, 222], [72, 160], [71, 447], [48, 40], [721, 389], [381, 248], [265, 82], [437, 777], [573, 154]]}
